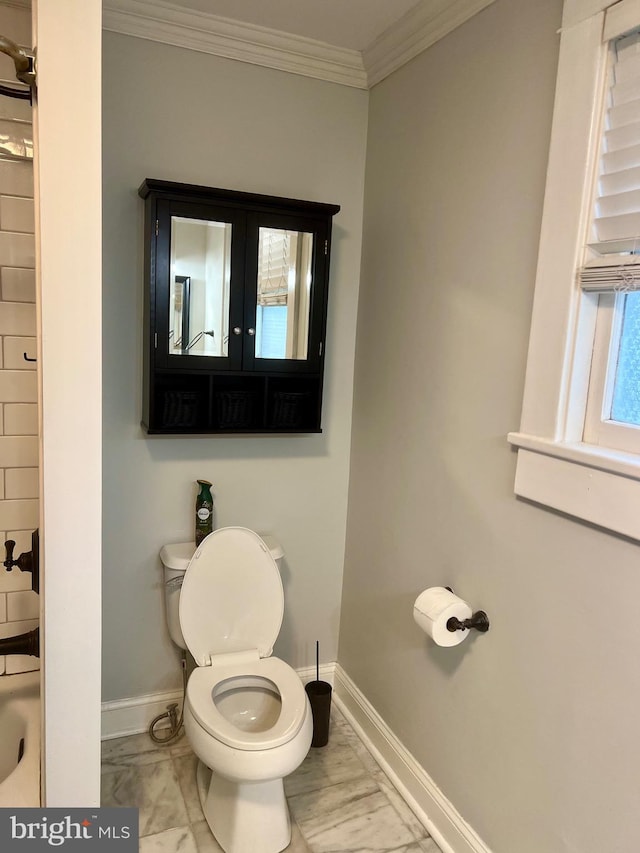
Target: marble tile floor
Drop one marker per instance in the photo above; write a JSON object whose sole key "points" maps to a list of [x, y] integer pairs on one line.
{"points": [[339, 798]]}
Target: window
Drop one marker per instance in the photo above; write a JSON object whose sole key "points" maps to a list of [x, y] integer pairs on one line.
{"points": [[625, 367], [613, 406], [579, 440], [613, 258]]}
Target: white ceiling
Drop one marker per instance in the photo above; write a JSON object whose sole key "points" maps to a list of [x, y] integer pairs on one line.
{"points": [[353, 24]]}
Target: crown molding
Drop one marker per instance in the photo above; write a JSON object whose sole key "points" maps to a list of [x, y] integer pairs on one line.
{"points": [[414, 32], [161, 21]]}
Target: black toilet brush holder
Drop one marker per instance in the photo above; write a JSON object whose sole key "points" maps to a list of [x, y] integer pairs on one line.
{"points": [[319, 693]]}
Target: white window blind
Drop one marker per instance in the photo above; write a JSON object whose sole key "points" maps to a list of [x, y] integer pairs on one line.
{"points": [[615, 233], [276, 259], [620, 273], [617, 219]]}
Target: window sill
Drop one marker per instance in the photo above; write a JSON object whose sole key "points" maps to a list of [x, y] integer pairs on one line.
{"points": [[597, 485]]}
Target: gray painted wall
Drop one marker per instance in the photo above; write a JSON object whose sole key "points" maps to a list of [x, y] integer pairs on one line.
{"points": [[532, 730], [180, 115]]}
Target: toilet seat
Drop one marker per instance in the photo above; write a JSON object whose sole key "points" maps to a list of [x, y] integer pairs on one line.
{"points": [[231, 598], [204, 680]]}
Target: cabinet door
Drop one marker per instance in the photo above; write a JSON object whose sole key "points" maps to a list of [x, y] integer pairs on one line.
{"points": [[199, 284], [285, 292]]}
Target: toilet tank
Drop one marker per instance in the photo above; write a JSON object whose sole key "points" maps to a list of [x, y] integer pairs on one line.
{"points": [[175, 559]]}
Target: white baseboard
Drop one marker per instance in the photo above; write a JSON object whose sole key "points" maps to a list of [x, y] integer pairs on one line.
{"points": [[123, 717], [448, 829], [327, 673]]}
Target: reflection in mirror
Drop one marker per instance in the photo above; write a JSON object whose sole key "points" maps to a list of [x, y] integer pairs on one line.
{"points": [[199, 279], [180, 301], [284, 286]]}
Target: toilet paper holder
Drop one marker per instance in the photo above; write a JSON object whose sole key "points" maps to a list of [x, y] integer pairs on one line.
{"points": [[479, 621]]}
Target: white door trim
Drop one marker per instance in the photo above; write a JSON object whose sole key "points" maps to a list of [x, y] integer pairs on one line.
{"points": [[68, 180]]}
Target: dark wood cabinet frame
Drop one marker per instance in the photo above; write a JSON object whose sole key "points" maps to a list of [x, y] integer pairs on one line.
{"points": [[238, 393]]}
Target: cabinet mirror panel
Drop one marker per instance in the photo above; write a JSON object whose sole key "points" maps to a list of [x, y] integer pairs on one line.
{"points": [[199, 281], [283, 294]]}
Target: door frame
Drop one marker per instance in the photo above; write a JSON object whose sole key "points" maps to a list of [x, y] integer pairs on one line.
{"points": [[67, 171]]}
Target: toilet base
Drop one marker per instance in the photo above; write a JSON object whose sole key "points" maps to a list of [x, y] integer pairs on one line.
{"points": [[244, 817]]}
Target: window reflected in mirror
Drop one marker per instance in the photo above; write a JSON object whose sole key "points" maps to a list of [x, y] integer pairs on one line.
{"points": [[284, 287], [199, 279]]}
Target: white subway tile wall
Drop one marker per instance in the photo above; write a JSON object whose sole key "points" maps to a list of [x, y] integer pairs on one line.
{"points": [[20, 419], [17, 284], [19, 606], [21, 483]]}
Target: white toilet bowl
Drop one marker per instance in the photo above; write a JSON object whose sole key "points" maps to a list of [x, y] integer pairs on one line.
{"points": [[246, 714], [252, 732]]}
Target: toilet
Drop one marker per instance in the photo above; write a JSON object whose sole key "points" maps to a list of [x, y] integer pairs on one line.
{"points": [[246, 714]]}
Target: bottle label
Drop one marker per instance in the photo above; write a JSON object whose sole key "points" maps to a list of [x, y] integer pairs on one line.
{"points": [[204, 513]]}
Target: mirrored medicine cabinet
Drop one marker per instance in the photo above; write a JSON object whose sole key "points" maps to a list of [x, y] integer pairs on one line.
{"points": [[235, 310]]}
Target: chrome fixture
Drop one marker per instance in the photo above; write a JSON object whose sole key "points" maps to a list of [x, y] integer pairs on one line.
{"points": [[171, 714], [195, 340]]}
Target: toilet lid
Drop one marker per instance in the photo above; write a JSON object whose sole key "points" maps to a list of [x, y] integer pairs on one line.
{"points": [[231, 598]]}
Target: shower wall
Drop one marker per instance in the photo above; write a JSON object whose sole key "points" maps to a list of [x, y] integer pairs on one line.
{"points": [[18, 381]]}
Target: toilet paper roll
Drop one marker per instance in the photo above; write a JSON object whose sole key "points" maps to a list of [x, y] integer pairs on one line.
{"points": [[432, 610]]}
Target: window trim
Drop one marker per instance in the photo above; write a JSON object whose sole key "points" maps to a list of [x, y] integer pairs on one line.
{"points": [[555, 467]]}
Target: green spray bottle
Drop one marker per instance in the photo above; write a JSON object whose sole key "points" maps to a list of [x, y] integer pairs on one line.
{"points": [[204, 511]]}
